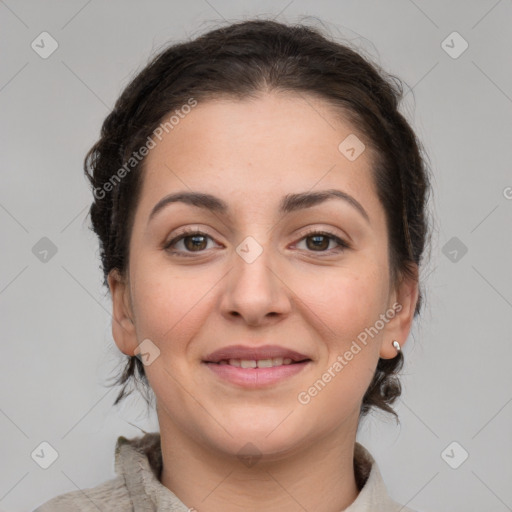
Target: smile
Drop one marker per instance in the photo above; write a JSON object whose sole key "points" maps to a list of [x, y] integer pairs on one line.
{"points": [[260, 363], [261, 373]]}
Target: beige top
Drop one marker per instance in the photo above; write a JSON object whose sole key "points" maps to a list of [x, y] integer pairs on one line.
{"points": [[138, 464]]}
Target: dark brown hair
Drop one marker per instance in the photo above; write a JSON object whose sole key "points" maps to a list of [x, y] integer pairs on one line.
{"points": [[244, 60]]}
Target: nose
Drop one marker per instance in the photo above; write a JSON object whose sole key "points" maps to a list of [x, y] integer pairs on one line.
{"points": [[255, 292]]}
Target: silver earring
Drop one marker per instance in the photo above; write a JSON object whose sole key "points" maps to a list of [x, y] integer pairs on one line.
{"points": [[397, 346]]}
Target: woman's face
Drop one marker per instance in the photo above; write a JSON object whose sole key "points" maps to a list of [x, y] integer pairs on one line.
{"points": [[259, 274]]}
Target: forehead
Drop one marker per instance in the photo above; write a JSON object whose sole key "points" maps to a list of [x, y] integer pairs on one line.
{"points": [[264, 146]]}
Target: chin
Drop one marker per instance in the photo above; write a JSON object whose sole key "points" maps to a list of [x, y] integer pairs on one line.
{"points": [[250, 450], [265, 440]]}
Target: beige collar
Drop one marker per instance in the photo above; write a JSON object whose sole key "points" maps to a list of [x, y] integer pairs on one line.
{"points": [[139, 461]]}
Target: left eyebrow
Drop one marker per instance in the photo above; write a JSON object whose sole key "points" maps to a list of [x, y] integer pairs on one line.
{"points": [[293, 202], [289, 203]]}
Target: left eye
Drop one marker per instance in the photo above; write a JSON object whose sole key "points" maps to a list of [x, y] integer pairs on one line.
{"points": [[320, 240], [196, 241]]}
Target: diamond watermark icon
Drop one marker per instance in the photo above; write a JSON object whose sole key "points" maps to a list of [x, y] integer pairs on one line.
{"points": [[249, 249], [147, 352], [351, 147], [454, 455], [44, 45], [44, 455], [454, 45], [454, 249], [44, 249], [249, 455]]}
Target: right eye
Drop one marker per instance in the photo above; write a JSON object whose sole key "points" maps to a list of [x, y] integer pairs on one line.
{"points": [[193, 241]]}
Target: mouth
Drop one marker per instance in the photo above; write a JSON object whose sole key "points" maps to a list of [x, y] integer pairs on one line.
{"points": [[259, 363], [252, 367], [253, 356]]}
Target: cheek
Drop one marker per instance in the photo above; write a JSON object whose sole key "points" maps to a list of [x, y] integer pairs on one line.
{"points": [[170, 311], [169, 308], [348, 306], [347, 302]]}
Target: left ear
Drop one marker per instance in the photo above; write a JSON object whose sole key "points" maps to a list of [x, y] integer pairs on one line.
{"points": [[403, 302]]}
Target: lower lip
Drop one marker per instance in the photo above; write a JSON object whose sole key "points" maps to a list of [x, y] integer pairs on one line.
{"points": [[256, 377]]}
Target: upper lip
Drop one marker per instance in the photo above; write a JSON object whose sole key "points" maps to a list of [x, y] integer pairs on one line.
{"points": [[253, 353]]}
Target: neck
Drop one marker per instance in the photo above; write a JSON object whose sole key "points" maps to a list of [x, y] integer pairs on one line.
{"points": [[317, 477]]}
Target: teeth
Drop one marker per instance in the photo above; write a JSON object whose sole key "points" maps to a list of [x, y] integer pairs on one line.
{"points": [[264, 363], [244, 363], [260, 363]]}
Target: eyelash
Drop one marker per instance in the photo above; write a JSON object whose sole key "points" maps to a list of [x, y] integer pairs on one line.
{"points": [[342, 245]]}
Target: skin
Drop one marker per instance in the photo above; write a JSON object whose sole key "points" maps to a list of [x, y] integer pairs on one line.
{"points": [[251, 153]]}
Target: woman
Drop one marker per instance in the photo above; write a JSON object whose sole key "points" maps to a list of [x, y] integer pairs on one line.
{"points": [[260, 206]]}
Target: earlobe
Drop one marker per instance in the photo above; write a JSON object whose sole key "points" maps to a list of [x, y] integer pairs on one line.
{"points": [[123, 327], [405, 300]]}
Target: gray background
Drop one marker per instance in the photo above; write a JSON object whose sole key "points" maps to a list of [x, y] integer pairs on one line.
{"points": [[57, 349]]}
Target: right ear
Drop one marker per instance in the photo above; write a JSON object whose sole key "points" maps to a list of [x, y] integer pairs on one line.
{"points": [[123, 327]]}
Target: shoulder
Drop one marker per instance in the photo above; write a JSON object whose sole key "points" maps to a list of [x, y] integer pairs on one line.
{"points": [[373, 494], [110, 496]]}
